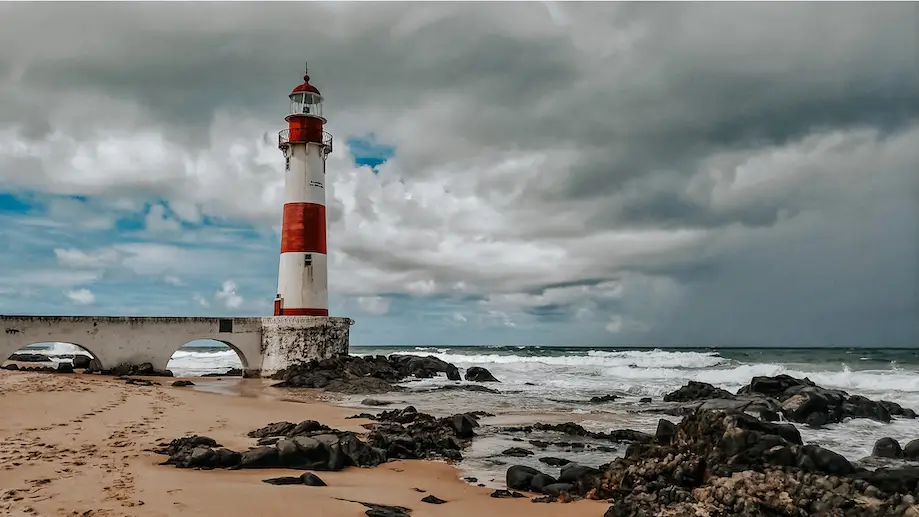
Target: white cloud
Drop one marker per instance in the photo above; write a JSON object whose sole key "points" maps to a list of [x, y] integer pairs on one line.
{"points": [[78, 259], [81, 296], [228, 296], [374, 304], [200, 300], [459, 318], [51, 278]]}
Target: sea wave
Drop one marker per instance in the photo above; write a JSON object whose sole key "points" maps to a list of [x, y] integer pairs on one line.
{"points": [[590, 358]]}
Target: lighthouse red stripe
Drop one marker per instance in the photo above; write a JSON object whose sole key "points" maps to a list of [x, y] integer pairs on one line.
{"points": [[303, 228], [304, 312]]}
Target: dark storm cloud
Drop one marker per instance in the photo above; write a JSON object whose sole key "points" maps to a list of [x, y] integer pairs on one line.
{"points": [[633, 104]]}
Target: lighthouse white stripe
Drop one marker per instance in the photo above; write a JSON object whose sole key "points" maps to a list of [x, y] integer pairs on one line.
{"points": [[302, 286], [304, 182]]}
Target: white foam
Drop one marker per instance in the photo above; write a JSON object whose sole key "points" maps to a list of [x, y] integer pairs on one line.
{"points": [[189, 363]]}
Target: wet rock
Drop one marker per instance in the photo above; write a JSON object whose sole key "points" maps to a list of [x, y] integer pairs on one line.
{"points": [[181, 383], [572, 472], [81, 361], [603, 399], [645, 400], [479, 374], [911, 451], [540, 481], [665, 431], [805, 402], [556, 489], [26, 357], [887, 448], [554, 462], [307, 478], [697, 391], [519, 477], [362, 374], [382, 510], [465, 387], [376, 402], [518, 452], [570, 428], [143, 369], [506, 494], [433, 500], [64, 368]]}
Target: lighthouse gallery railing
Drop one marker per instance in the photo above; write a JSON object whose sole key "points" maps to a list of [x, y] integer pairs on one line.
{"points": [[284, 139]]}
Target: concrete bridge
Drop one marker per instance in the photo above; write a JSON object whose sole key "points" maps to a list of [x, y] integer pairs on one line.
{"points": [[265, 345]]}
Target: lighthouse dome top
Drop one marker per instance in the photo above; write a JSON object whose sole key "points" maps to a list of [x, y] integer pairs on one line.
{"points": [[306, 86]]}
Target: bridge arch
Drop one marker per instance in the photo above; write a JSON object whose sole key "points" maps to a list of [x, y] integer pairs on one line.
{"points": [[49, 354], [209, 357]]}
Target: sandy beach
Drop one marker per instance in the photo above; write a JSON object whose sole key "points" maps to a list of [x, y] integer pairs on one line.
{"points": [[80, 445]]}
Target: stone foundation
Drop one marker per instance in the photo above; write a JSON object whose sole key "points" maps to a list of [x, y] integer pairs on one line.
{"points": [[288, 340]]}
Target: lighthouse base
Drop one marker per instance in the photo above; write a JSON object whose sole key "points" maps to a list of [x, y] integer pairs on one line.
{"points": [[288, 340]]}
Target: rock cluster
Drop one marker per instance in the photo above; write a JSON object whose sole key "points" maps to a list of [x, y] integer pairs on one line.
{"points": [[890, 448], [733, 464], [799, 400], [570, 428], [143, 369], [375, 374], [310, 445], [356, 374]]}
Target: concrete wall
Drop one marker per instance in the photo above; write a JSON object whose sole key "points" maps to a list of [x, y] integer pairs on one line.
{"points": [[264, 345], [292, 339]]}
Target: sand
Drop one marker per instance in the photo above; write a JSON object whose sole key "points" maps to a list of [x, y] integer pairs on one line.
{"points": [[79, 445]]}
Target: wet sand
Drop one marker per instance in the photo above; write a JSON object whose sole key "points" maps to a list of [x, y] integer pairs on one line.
{"points": [[79, 445]]}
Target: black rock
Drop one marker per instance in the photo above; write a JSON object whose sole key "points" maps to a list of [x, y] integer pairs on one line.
{"points": [[433, 500], [64, 368], [375, 402], [602, 399], [506, 494], [572, 472], [645, 400], [518, 452], [479, 374], [284, 480], [181, 383], [554, 462], [518, 477], [382, 510], [465, 387], [695, 390], [887, 448], [911, 451], [665, 431], [556, 489], [540, 481], [81, 361], [360, 374]]}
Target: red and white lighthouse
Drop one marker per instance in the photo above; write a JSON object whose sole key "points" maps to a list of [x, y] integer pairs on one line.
{"points": [[303, 283]]}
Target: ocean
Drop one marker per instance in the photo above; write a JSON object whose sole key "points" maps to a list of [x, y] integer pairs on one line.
{"points": [[554, 384]]}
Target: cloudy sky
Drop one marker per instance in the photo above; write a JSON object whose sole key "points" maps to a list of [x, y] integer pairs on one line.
{"points": [[526, 173]]}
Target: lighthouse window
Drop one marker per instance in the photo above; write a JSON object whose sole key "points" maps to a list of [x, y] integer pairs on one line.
{"points": [[306, 103], [308, 260], [287, 163]]}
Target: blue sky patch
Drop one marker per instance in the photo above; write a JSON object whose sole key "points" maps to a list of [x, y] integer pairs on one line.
{"points": [[366, 151]]}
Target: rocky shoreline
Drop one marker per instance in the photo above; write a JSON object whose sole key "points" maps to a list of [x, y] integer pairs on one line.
{"points": [[732, 454]]}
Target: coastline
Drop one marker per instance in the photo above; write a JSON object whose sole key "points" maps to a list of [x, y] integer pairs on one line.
{"points": [[81, 445]]}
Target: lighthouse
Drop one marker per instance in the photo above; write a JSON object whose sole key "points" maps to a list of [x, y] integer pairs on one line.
{"points": [[303, 284]]}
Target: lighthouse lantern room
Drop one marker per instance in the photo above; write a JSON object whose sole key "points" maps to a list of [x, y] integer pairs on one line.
{"points": [[303, 268]]}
